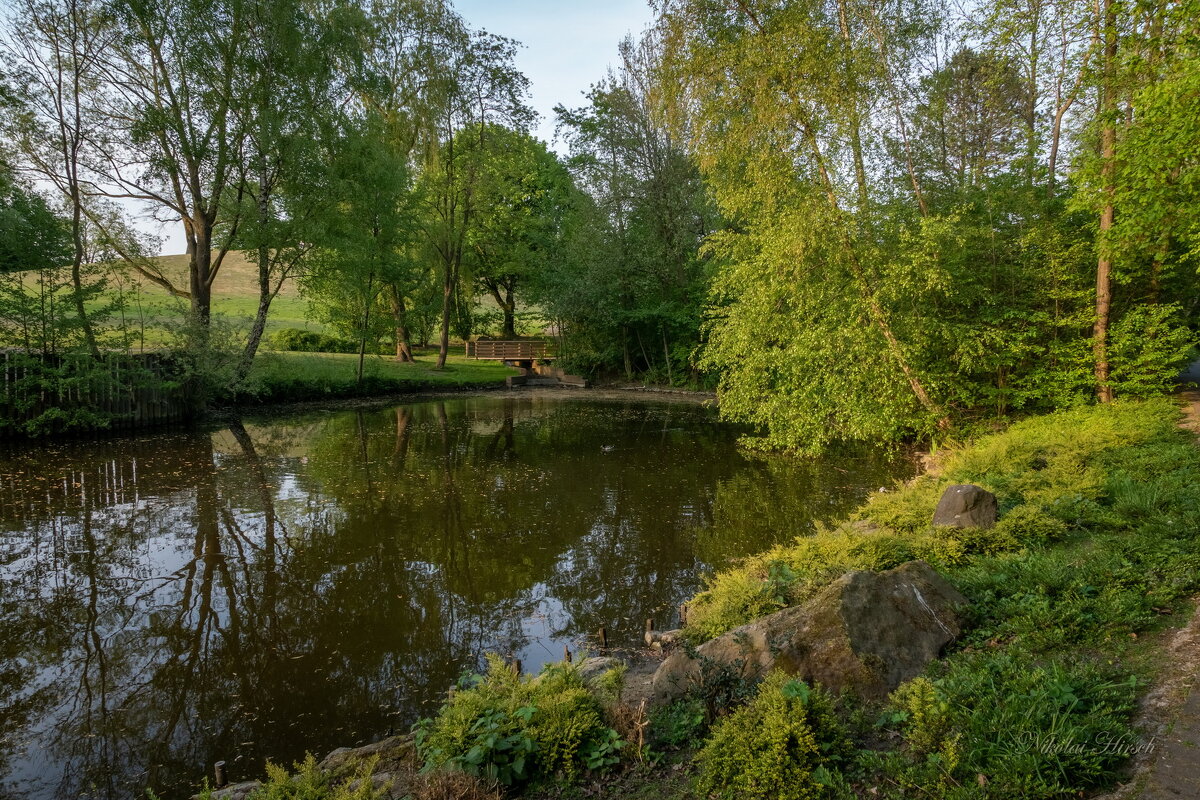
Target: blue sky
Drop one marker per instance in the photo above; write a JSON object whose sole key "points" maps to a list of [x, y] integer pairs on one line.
{"points": [[568, 44]]}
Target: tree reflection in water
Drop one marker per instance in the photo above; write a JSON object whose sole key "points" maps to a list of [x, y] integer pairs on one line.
{"points": [[296, 584]]}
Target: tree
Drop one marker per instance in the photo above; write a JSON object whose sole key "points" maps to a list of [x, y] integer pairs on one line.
{"points": [[634, 279], [169, 131], [816, 324], [523, 195], [57, 46], [286, 79], [368, 236], [480, 88]]}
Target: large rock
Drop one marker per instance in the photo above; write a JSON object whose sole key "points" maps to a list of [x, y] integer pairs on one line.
{"points": [[966, 505], [393, 754], [867, 632]]}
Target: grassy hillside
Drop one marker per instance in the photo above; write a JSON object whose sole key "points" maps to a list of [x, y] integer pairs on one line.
{"points": [[235, 297]]}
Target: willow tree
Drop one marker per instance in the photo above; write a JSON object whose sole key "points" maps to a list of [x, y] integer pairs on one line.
{"points": [[821, 308]]}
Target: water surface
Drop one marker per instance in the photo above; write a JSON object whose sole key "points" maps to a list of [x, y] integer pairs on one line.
{"points": [[302, 583]]}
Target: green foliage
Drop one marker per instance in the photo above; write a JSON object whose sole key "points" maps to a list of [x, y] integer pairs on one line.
{"points": [[511, 729], [785, 744], [629, 290], [1095, 543], [308, 782], [891, 264], [1032, 727], [678, 724], [297, 340], [1052, 474]]}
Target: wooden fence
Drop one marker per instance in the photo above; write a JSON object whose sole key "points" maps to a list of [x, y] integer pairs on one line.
{"points": [[120, 391]]}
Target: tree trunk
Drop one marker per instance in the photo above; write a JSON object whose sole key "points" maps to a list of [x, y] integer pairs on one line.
{"points": [[1108, 148], [403, 343], [265, 294], [444, 334], [200, 256], [89, 335], [362, 341], [626, 353], [510, 314]]}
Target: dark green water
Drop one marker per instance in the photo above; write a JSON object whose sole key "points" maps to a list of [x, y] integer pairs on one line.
{"points": [[294, 584]]}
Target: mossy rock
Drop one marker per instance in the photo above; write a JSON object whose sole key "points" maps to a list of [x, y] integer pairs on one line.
{"points": [[867, 632]]}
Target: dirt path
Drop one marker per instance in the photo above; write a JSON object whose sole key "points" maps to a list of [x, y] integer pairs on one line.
{"points": [[1169, 717]]}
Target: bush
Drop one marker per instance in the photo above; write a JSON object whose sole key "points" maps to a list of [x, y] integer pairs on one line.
{"points": [[679, 724], [298, 340], [509, 729], [785, 745]]}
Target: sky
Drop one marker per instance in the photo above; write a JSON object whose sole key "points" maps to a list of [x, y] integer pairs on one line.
{"points": [[567, 46]]}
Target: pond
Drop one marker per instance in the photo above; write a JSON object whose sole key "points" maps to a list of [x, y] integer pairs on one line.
{"points": [[290, 584]]}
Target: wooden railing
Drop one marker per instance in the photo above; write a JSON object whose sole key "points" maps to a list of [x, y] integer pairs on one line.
{"points": [[518, 350]]}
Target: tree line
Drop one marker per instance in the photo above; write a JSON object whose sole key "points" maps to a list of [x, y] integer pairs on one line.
{"points": [[858, 219], [932, 214], [374, 151]]}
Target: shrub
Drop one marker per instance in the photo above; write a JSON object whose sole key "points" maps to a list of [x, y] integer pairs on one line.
{"points": [[298, 340], [1034, 728], [679, 724], [1028, 526], [785, 745], [508, 729]]}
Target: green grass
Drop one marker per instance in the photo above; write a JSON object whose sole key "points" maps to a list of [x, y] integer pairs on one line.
{"points": [[309, 376], [1096, 548], [150, 310]]}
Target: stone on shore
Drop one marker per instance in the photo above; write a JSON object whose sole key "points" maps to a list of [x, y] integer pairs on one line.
{"points": [[867, 632], [966, 505]]}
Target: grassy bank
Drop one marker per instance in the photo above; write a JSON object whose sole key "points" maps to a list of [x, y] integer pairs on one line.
{"points": [[286, 377], [1095, 553], [1096, 549]]}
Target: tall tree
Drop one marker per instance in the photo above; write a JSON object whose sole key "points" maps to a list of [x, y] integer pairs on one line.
{"points": [[57, 46], [368, 236], [813, 312], [170, 133], [631, 293], [290, 88], [479, 89], [523, 195]]}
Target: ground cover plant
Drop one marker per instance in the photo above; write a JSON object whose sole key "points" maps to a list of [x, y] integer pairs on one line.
{"points": [[511, 729], [1095, 547]]}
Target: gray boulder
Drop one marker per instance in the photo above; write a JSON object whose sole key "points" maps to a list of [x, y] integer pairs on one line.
{"points": [[867, 632], [393, 754], [966, 505]]}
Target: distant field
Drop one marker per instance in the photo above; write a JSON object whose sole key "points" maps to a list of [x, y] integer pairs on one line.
{"points": [[235, 298], [150, 308]]}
